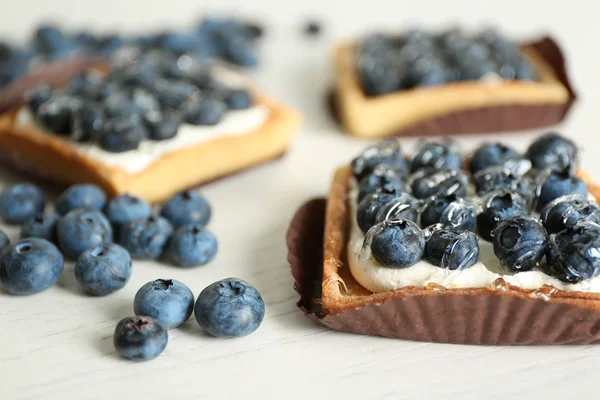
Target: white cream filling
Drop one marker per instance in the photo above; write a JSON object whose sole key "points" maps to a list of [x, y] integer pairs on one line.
{"points": [[377, 278], [234, 123]]}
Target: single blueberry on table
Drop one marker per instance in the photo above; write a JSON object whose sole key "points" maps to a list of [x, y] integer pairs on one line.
{"points": [[367, 209], [566, 211], [396, 244], [498, 206], [229, 308], [552, 151], [187, 207], [239, 99], [140, 338], [451, 248], [313, 28], [80, 196], [20, 202], [125, 208], [205, 111], [146, 238], [386, 152], [436, 155], [41, 226], [520, 243], [192, 245], [81, 229], [382, 177], [574, 253], [29, 266], [492, 154], [404, 206], [558, 184], [429, 182], [103, 269], [166, 300]]}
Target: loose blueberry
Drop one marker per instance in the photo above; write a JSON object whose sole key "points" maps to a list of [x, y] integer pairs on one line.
{"points": [[80, 196], [520, 243], [574, 253], [552, 151], [20, 202], [166, 300], [29, 266], [192, 245], [146, 238], [436, 155], [492, 154], [566, 211], [498, 206], [386, 152], [103, 269], [397, 245], [558, 184], [140, 338], [205, 111], [162, 125], [37, 96], [229, 308], [238, 99], [41, 226], [122, 135], [81, 229], [382, 177], [366, 214], [451, 248], [187, 208], [404, 206], [429, 182], [312, 28], [125, 208]]}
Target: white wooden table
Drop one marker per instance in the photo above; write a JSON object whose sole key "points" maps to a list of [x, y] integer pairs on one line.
{"points": [[58, 344]]}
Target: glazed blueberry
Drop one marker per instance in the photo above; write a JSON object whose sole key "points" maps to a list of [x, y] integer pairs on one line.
{"points": [[436, 155], [85, 84], [399, 244], [140, 338], [146, 238], [378, 77], [187, 208], [103, 269], [81, 229], [382, 177], [174, 94], [229, 308], [47, 39], [566, 211], [37, 96], [144, 101], [498, 206], [205, 111], [501, 177], [125, 208], [429, 182], [166, 300], [449, 211], [41, 226], [162, 125], [118, 105], [366, 214], [386, 152], [492, 154], [404, 206], [29, 266], [238, 99], [122, 134], [558, 184], [552, 151], [192, 245], [520, 243], [80, 196], [87, 123], [20, 202], [451, 248], [574, 253], [56, 113], [4, 241]]}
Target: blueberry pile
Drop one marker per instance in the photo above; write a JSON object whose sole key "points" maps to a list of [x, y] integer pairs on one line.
{"points": [[388, 64], [532, 207], [229, 39], [145, 96]]}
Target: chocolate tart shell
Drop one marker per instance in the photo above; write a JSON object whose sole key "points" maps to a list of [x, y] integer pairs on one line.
{"points": [[496, 118], [482, 319]]}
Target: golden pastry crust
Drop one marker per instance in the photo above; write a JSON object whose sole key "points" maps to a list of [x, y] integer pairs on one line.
{"points": [[381, 116], [341, 292], [173, 172]]}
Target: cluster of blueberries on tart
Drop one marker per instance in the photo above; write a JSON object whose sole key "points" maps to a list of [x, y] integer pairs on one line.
{"points": [[387, 64], [144, 96], [103, 237], [229, 39], [532, 207]]}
